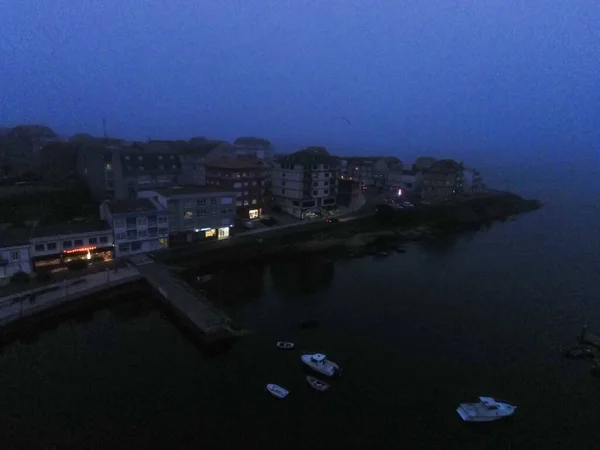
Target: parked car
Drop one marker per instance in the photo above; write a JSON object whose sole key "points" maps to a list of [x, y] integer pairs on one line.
{"points": [[269, 221], [248, 224]]}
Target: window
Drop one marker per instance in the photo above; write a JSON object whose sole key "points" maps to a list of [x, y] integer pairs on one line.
{"points": [[163, 231], [14, 256], [254, 183], [188, 204], [226, 201], [238, 203], [104, 239], [67, 244], [120, 236], [119, 223], [39, 247], [224, 211], [162, 219], [78, 242], [326, 191], [326, 183], [93, 241], [327, 174], [315, 192], [123, 247], [142, 233], [229, 211], [213, 201], [201, 212], [238, 194], [326, 166], [254, 201], [316, 184], [136, 246], [245, 192], [142, 221], [131, 234], [245, 202], [283, 174], [131, 222], [283, 183], [152, 232], [201, 202], [51, 245], [283, 191]]}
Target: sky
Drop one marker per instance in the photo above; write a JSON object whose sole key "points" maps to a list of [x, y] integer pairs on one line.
{"points": [[472, 78]]}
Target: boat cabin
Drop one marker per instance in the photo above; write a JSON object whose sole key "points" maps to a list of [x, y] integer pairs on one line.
{"points": [[489, 402], [318, 358]]}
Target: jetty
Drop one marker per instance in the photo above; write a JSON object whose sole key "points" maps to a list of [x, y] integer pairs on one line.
{"points": [[182, 300]]}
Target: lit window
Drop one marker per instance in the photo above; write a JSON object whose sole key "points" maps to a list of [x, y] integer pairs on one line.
{"points": [[245, 202], [238, 203]]}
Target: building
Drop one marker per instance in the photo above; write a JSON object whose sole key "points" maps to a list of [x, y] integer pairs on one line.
{"points": [[348, 192], [117, 170], [253, 147], [14, 253], [361, 170], [53, 247], [473, 182], [194, 156], [139, 225], [403, 181], [244, 175], [441, 180], [305, 181], [195, 212]]}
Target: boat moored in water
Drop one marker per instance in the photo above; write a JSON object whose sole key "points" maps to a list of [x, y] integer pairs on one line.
{"points": [[277, 391], [285, 345], [320, 363], [486, 410], [317, 384]]}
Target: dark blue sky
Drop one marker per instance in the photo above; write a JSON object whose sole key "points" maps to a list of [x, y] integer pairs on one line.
{"points": [[467, 77]]}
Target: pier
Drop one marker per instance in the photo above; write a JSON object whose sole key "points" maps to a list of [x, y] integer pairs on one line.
{"points": [[188, 305]]}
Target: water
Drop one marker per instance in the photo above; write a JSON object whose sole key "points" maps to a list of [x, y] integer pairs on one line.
{"points": [[417, 333]]}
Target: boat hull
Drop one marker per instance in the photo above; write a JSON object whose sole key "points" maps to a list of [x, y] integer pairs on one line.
{"points": [[277, 391], [328, 368], [477, 413]]}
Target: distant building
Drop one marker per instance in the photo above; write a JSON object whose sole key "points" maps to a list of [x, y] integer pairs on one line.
{"points": [[441, 180], [403, 181], [305, 181], [139, 225], [53, 247], [117, 170], [254, 147], [195, 212], [14, 253], [245, 176], [196, 154]]}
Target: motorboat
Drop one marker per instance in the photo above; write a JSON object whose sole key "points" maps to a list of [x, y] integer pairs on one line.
{"points": [[578, 353], [277, 391], [317, 384], [320, 363], [285, 345], [486, 410]]}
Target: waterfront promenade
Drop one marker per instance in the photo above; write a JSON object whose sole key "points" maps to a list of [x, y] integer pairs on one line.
{"points": [[27, 303]]}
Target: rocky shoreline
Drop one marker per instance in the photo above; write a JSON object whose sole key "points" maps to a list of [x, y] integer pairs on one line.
{"points": [[385, 231]]}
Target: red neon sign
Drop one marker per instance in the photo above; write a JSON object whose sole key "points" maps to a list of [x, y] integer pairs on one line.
{"points": [[81, 249]]}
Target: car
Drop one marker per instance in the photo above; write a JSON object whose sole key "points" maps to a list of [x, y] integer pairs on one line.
{"points": [[332, 220], [364, 188], [249, 224], [268, 221]]}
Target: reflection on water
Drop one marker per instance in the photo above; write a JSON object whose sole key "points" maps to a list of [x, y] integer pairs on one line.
{"points": [[305, 277]]}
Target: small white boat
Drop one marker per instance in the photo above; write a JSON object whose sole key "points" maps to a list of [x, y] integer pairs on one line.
{"points": [[317, 384], [277, 391], [285, 345], [486, 410], [320, 363]]}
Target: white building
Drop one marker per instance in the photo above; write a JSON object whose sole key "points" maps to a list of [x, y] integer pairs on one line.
{"points": [[14, 253], [139, 225], [305, 181]]}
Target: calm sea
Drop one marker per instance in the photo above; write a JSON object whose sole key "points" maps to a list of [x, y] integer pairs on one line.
{"points": [[417, 333]]}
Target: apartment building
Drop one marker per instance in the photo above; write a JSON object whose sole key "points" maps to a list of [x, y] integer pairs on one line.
{"points": [[139, 225], [196, 154], [245, 176], [305, 181], [442, 180], [253, 147], [53, 247], [117, 170], [14, 253], [195, 212]]}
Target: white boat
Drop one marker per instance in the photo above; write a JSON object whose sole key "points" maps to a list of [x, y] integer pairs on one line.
{"points": [[320, 363], [317, 384], [277, 391], [285, 345], [486, 410]]}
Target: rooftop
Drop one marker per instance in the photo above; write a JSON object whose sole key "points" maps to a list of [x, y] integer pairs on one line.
{"points": [[131, 206], [311, 155], [13, 237], [175, 191], [445, 165], [236, 163], [252, 142], [69, 228]]}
